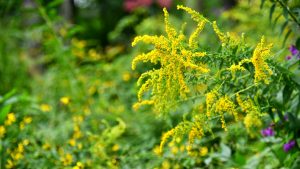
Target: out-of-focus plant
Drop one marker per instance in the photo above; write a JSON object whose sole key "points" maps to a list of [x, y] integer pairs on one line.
{"points": [[290, 13]]}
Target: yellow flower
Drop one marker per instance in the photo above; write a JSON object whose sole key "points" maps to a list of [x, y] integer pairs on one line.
{"points": [[79, 146], [11, 118], [46, 146], [78, 43], [93, 54], [262, 70], [210, 100], [166, 164], [156, 150], [234, 68], [116, 147], [179, 130], [78, 119], [65, 100], [251, 120], [203, 151], [2, 131], [20, 148], [77, 133], [225, 105], [174, 150], [72, 142], [126, 76], [45, 108], [25, 142], [22, 125], [79, 165], [252, 117], [17, 156], [67, 159], [9, 164], [220, 34], [175, 57], [28, 120]]}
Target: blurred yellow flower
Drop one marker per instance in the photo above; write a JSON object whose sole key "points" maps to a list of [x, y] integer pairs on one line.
{"points": [[46, 146], [2, 131], [174, 150], [78, 119], [126, 76], [9, 164], [65, 100], [22, 125], [72, 142], [79, 145], [116, 147], [28, 120], [203, 151], [25, 142], [11, 118], [45, 108], [166, 165], [78, 43], [93, 54], [79, 165], [67, 159], [156, 150]]}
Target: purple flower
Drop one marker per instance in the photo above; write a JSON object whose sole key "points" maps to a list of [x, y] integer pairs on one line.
{"points": [[267, 132], [293, 50], [288, 58], [288, 146]]}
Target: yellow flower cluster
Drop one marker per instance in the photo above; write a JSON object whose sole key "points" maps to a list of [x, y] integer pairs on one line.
{"points": [[220, 34], [78, 165], [262, 71], [26, 120], [210, 100], [67, 159], [252, 113], [2, 131], [175, 59], [176, 132], [16, 155], [77, 134], [225, 105], [195, 132], [235, 68], [11, 118]]}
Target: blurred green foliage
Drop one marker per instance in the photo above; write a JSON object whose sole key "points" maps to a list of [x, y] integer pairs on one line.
{"points": [[67, 88]]}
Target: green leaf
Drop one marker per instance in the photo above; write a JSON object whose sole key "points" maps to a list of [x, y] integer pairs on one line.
{"points": [[275, 21], [3, 112], [272, 9], [296, 163], [262, 3], [285, 13], [287, 92], [283, 27], [298, 43], [7, 95], [55, 3], [286, 37]]}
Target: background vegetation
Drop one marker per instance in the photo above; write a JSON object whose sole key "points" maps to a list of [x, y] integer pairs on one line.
{"points": [[67, 88]]}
